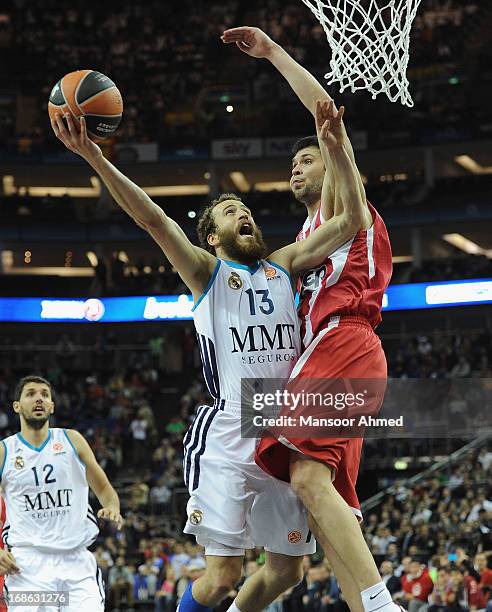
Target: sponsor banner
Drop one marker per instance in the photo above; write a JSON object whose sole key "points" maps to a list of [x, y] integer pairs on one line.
{"points": [[133, 152], [237, 148], [104, 310], [173, 307], [302, 409], [278, 147]]}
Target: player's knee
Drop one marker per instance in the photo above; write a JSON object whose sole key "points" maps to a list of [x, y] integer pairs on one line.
{"points": [[292, 575], [300, 480], [224, 581], [287, 575], [305, 481]]}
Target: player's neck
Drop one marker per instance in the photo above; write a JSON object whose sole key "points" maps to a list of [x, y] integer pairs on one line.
{"points": [[312, 210], [35, 437]]}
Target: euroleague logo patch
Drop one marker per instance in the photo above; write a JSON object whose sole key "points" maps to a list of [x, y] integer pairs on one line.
{"points": [[294, 537], [58, 448], [271, 273]]}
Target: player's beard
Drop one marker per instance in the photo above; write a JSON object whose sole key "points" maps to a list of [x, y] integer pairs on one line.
{"points": [[247, 251], [35, 422], [310, 192]]}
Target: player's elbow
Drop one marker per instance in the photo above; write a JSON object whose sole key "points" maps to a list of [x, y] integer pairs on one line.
{"points": [[154, 220]]}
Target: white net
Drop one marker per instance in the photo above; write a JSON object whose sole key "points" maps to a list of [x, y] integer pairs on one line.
{"points": [[369, 40]]}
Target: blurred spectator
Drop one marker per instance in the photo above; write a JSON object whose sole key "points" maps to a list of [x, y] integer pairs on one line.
{"points": [[120, 583], [417, 586], [165, 597], [391, 581]]}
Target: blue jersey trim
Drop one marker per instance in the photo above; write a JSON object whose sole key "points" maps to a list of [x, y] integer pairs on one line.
{"points": [[74, 449], [210, 283], [39, 448], [251, 269], [276, 265], [4, 458]]}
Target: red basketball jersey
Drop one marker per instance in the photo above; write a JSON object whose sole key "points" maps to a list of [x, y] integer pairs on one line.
{"points": [[351, 281]]}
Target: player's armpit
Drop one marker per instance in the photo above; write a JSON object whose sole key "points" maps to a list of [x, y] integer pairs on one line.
{"points": [[195, 266], [327, 238]]}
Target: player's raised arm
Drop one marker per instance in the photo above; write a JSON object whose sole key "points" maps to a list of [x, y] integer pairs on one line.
{"points": [[194, 265], [256, 43], [351, 214]]}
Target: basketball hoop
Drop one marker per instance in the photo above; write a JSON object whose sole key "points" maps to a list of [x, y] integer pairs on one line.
{"points": [[369, 40]]}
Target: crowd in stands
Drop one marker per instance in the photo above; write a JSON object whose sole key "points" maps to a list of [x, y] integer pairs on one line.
{"points": [[441, 355], [168, 61], [431, 540]]}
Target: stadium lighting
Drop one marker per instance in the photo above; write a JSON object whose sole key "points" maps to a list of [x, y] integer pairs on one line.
{"points": [[177, 190], [240, 181], [92, 257], [51, 271], [468, 163], [9, 188], [465, 244], [273, 186], [229, 108]]}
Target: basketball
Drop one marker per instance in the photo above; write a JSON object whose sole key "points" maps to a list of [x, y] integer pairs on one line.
{"points": [[91, 94]]}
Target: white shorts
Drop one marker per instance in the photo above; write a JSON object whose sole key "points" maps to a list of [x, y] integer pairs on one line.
{"points": [[73, 572], [232, 501]]}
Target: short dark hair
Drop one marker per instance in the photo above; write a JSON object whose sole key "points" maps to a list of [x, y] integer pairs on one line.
{"points": [[303, 143], [206, 222], [28, 379]]}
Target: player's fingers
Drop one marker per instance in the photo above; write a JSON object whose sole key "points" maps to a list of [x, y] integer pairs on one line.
{"points": [[83, 128], [70, 123], [341, 113], [325, 130], [242, 45], [61, 126], [239, 30], [319, 112], [326, 109]]}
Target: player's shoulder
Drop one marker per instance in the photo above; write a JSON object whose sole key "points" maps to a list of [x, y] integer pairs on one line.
{"points": [[73, 435]]}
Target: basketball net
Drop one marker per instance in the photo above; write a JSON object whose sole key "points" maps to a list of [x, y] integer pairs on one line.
{"points": [[369, 40]]}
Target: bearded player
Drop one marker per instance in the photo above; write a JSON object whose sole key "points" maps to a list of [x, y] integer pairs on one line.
{"points": [[247, 327], [340, 305]]}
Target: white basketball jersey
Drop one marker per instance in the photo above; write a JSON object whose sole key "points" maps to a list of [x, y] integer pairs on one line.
{"points": [[46, 495], [247, 327]]}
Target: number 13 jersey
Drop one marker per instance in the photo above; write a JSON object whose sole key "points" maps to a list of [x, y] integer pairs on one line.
{"points": [[247, 327], [46, 495]]}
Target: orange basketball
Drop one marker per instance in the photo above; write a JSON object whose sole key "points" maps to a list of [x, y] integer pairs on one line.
{"points": [[91, 94]]}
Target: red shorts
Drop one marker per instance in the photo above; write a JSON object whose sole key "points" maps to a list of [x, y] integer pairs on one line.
{"points": [[347, 348]]}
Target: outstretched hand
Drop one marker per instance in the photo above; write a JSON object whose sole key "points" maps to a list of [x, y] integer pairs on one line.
{"points": [[329, 124], [251, 41], [77, 142]]}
